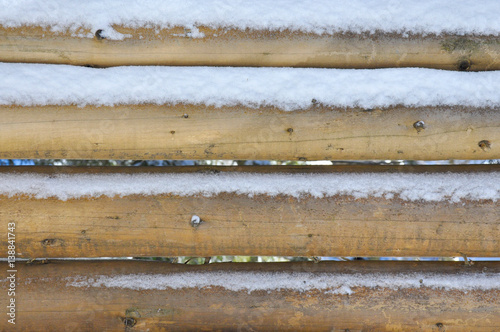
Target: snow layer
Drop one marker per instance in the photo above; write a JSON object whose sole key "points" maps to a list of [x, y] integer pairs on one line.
{"points": [[429, 187], [286, 88], [298, 281], [317, 16]]}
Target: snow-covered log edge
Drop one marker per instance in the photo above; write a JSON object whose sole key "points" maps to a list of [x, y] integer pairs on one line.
{"points": [[284, 88], [452, 187], [132, 297], [319, 17], [276, 281]]}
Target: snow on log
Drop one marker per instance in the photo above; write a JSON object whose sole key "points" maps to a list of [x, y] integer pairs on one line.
{"points": [[138, 213], [320, 16], [114, 295], [355, 34], [287, 89], [71, 112]]}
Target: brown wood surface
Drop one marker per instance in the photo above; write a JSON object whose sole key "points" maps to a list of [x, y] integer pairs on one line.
{"points": [[46, 302], [271, 169], [200, 132], [229, 47], [240, 225]]}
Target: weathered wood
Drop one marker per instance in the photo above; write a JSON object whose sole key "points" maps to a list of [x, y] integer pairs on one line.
{"points": [[229, 47], [46, 300], [160, 225], [200, 132]]}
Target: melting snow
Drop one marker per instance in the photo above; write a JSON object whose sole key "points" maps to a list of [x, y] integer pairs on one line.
{"points": [[428, 187], [298, 281]]}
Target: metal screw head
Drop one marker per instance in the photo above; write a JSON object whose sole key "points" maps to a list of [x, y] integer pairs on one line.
{"points": [[129, 322], [419, 126], [195, 221]]}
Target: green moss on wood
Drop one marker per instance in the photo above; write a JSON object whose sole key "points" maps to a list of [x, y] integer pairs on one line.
{"points": [[460, 44]]}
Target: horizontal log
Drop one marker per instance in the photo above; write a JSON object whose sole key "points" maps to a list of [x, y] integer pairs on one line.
{"points": [[247, 221], [354, 296], [259, 169], [231, 47], [202, 132]]}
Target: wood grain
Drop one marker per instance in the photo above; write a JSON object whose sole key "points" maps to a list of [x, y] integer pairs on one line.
{"points": [[201, 132], [230, 47], [46, 300], [263, 169], [160, 225]]}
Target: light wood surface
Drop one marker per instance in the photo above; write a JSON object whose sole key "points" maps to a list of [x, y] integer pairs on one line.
{"points": [[160, 225], [229, 47], [200, 132]]}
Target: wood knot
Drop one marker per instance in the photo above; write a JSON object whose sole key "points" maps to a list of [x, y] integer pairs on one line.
{"points": [[464, 65], [129, 322], [485, 145]]}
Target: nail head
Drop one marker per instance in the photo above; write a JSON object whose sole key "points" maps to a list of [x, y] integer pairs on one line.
{"points": [[195, 221], [98, 35], [419, 125], [129, 322]]}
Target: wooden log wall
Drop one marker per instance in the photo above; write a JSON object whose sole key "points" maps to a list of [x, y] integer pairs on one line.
{"points": [[47, 294]]}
